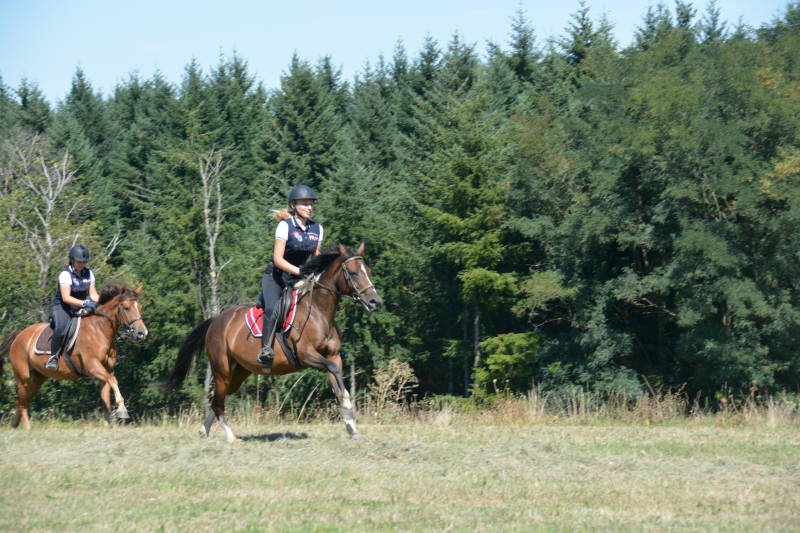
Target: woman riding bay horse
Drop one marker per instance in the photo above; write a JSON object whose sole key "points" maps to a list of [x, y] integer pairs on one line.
{"points": [[233, 351]]}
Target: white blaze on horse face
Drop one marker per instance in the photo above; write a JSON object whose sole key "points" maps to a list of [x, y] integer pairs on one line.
{"points": [[366, 275], [139, 314]]}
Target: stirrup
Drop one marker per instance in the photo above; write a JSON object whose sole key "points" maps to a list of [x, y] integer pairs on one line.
{"points": [[265, 356], [52, 363]]}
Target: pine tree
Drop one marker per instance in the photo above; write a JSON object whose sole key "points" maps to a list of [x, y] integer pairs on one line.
{"points": [[459, 66], [712, 29], [9, 108], [461, 192], [301, 144], [34, 111], [373, 114], [523, 56]]}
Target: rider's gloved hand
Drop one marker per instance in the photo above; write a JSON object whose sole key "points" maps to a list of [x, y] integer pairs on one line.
{"points": [[88, 304]]}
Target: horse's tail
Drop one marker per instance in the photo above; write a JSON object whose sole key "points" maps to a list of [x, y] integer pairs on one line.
{"points": [[192, 344], [6, 346]]}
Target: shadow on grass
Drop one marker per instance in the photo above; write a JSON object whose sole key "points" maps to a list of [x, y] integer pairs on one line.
{"points": [[271, 437]]}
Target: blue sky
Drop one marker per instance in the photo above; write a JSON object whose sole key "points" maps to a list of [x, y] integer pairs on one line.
{"points": [[46, 40]]}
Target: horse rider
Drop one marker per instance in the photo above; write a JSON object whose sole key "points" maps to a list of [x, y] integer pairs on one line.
{"points": [[297, 237], [76, 290]]}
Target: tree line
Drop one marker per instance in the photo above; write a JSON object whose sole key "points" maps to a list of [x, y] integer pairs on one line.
{"points": [[567, 214]]}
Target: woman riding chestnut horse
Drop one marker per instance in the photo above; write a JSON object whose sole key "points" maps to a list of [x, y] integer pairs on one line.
{"points": [[233, 351], [93, 352]]}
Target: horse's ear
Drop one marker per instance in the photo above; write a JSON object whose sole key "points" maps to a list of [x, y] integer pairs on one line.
{"points": [[342, 250], [138, 289], [360, 250]]}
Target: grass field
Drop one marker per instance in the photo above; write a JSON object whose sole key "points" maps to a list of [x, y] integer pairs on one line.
{"points": [[442, 473]]}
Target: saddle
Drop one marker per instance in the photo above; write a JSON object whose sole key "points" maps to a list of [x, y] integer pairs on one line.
{"points": [[43, 341], [42, 346], [286, 308]]}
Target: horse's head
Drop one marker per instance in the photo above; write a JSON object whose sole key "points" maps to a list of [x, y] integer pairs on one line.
{"points": [[130, 310], [123, 302], [353, 278]]}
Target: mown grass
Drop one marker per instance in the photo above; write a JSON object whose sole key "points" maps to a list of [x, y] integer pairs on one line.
{"points": [[435, 471]]}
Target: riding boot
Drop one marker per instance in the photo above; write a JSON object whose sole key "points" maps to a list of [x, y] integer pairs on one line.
{"points": [[266, 355], [55, 344]]}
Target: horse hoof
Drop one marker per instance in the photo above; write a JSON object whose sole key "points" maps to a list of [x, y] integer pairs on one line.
{"points": [[357, 437]]}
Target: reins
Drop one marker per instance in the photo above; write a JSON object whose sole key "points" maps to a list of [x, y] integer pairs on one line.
{"points": [[316, 283]]}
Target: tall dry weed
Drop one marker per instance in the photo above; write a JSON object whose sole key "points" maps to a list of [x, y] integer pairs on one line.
{"points": [[388, 396]]}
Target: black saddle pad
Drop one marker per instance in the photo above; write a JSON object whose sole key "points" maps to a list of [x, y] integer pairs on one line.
{"points": [[45, 336], [43, 342]]}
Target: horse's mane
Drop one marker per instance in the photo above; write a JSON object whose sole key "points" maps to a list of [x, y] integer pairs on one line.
{"points": [[320, 263], [111, 290]]}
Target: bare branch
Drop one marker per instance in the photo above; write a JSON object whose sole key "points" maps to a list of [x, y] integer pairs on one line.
{"points": [[112, 244], [226, 263]]}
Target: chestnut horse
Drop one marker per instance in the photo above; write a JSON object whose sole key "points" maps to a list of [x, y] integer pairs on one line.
{"points": [[232, 349], [93, 354]]}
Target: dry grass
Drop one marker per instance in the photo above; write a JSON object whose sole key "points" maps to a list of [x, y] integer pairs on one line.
{"points": [[518, 463], [515, 467]]}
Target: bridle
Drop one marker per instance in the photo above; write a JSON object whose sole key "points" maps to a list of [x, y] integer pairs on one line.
{"points": [[356, 293], [128, 325]]}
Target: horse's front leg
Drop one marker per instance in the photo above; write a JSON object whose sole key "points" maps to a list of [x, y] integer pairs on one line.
{"points": [[346, 409], [99, 372], [334, 366]]}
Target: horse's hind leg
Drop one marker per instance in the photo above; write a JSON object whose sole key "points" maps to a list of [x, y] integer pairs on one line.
{"points": [[210, 417], [218, 409], [225, 385], [105, 398], [26, 390]]}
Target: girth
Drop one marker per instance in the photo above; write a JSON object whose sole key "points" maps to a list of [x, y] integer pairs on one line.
{"points": [[281, 310]]}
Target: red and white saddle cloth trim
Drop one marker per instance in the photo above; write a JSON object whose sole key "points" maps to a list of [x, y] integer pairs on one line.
{"points": [[253, 317]]}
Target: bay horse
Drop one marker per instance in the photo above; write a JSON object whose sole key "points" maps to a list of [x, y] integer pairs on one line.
{"points": [[232, 349], [94, 353]]}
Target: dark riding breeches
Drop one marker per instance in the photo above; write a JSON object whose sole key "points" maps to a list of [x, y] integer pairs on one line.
{"points": [[61, 317], [271, 289]]}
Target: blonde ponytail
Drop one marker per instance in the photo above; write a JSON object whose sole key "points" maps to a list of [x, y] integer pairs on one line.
{"points": [[280, 214]]}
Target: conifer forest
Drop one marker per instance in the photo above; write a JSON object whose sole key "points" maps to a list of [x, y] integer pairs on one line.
{"points": [[562, 214]]}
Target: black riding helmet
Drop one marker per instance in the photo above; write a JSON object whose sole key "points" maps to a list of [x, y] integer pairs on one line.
{"points": [[79, 252], [301, 192]]}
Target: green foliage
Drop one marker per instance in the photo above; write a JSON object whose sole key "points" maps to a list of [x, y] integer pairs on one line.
{"points": [[575, 214], [510, 362], [542, 288]]}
